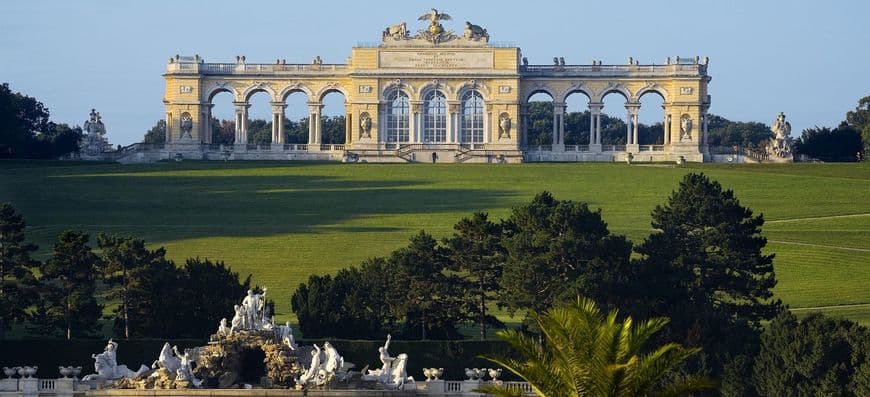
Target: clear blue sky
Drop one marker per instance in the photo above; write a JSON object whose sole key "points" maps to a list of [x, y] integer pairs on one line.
{"points": [[808, 59]]}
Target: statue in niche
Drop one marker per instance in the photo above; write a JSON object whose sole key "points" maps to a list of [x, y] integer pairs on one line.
{"points": [[475, 32], [685, 128], [504, 126], [186, 126], [365, 126]]}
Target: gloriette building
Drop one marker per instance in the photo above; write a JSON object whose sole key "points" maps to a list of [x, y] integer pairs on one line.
{"points": [[437, 93]]}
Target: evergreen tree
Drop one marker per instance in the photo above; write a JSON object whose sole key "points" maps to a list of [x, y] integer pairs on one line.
{"points": [[558, 250], [209, 291], [475, 250], [156, 134], [816, 356], [68, 287], [125, 260], [15, 263], [704, 268]]}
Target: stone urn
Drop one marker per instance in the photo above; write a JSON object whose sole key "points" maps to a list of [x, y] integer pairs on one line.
{"points": [[470, 373], [427, 372], [76, 371], [437, 373], [494, 373], [65, 371], [31, 371], [10, 372]]}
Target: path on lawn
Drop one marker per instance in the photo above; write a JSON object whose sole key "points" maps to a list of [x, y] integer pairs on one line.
{"points": [[818, 217], [796, 309]]}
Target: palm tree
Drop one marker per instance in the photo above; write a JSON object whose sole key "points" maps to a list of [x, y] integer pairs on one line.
{"points": [[585, 353]]}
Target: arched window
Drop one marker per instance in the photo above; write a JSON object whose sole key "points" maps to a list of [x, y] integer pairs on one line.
{"points": [[471, 123], [398, 110], [435, 117]]}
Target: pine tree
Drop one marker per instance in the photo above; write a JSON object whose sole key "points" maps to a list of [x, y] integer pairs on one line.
{"points": [[704, 268], [69, 276], [15, 263]]}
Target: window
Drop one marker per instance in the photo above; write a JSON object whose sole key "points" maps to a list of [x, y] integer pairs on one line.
{"points": [[398, 110], [471, 123], [434, 117]]}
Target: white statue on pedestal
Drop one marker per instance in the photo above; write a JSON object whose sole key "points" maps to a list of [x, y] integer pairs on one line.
{"points": [[393, 372], [780, 144], [167, 359], [254, 309], [107, 368]]}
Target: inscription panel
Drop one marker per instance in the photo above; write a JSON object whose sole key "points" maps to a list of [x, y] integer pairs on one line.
{"points": [[436, 59]]}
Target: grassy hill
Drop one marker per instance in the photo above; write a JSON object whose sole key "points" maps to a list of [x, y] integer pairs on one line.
{"points": [[285, 221]]}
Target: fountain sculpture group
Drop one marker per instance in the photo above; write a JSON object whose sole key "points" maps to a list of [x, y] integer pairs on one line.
{"points": [[252, 330]]}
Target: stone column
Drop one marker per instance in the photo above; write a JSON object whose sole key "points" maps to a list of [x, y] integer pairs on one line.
{"points": [[453, 122], [668, 129], [415, 131], [205, 135], [558, 126], [278, 122], [169, 127], [524, 126], [314, 125], [241, 122], [595, 126], [632, 145], [348, 124]]}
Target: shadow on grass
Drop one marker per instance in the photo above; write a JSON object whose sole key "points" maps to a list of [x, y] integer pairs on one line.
{"points": [[142, 201]]}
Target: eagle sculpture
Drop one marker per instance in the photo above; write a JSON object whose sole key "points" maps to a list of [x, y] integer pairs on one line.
{"points": [[434, 17]]}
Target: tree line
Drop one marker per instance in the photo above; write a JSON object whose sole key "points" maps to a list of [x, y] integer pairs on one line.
{"points": [[149, 295], [703, 267], [26, 130]]}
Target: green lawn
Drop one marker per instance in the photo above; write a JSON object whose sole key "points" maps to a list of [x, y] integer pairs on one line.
{"points": [[285, 221]]}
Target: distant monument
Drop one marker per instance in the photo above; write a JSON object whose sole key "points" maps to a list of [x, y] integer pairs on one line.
{"points": [[779, 147], [94, 142]]}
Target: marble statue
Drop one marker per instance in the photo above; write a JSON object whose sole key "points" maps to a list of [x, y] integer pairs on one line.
{"points": [[365, 126], [397, 31], [107, 368], [313, 374], [334, 361], [254, 310], [94, 141], [284, 334], [686, 128], [393, 373], [223, 330], [167, 359], [780, 144], [186, 126], [504, 126], [185, 371], [475, 32], [238, 322]]}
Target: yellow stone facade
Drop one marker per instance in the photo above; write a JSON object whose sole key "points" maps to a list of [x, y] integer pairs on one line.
{"points": [[451, 65]]}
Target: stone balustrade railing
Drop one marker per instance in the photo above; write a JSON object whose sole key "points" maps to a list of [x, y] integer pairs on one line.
{"points": [[254, 68], [680, 69]]}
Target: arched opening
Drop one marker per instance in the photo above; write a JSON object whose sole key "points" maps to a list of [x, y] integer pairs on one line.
{"points": [[259, 126], [651, 119], [614, 118], [295, 117], [251, 366], [222, 121], [471, 124], [333, 122], [577, 118], [434, 117], [540, 119], [397, 126]]}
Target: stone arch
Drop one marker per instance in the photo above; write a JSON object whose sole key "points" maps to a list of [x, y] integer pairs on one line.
{"points": [[574, 89], [651, 88], [540, 90], [437, 86], [292, 88], [398, 84], [258, 87], [223, 86], [614, 88], [472, 85], [332, 87]]}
